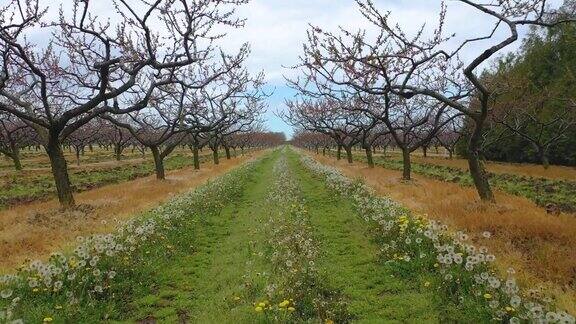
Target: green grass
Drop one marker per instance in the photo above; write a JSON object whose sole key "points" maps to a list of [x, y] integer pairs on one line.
{"points": [[216, 271], [350, 261]]}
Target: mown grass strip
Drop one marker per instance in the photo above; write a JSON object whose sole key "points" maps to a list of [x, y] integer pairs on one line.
{"points": [[351, 263]]}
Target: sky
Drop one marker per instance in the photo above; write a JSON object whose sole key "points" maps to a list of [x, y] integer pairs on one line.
{"points": [[276, 30]]}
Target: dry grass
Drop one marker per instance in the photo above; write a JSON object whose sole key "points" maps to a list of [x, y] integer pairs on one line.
{"points": [[541, 247], [34, 230], [527, 169]]}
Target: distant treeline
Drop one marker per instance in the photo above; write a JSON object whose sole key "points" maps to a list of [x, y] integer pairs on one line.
{"points": [[533, 117]]}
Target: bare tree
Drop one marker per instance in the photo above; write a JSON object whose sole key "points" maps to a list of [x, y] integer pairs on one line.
{"points": [[449, 135], [328, 117], [528, 115], [88, 61], [14, 134], [423, 64], [119, 138]]}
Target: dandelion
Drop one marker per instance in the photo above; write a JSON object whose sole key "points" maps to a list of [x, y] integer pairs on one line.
{"points": [[47, 319], [487, 296], [291, 309], [6, 293], [258, 309], [284, 303], [427, 284], [58, 307], [58, 285]]}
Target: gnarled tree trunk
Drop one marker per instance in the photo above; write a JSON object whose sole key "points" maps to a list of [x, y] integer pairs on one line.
{"points": [[196, 157], [477, 170], [369, 157], [215, 155], [349, 154], [227, 150], [158, 163], [60, 173], [406, 164]]}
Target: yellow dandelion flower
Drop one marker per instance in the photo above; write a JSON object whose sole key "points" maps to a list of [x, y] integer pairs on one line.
{"points": [[510, 309], [58, 306], [284, 303], [47, 319], [329, 321], [262, 304], [258, 309], [35, 290], [291, 308], [236, 298], [427, 284], [487, 296]]}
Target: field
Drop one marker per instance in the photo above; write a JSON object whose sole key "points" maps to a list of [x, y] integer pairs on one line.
{"points": [[554, 186], [96, 168], [330, 250]]}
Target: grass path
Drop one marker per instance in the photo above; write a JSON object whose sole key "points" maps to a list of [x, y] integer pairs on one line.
{"points": [[223, 277], [350, 261], [208, 285]]}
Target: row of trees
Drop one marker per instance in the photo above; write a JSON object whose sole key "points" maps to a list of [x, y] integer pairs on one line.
{"points": [[150, 69], [15, 136], [411, 89]]}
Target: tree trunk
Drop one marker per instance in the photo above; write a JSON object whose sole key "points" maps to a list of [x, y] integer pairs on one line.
{"points": [[324, 151], [227, 150], [425, 151], [450, 154], [477, 170], [60, 173], [369, 158], [349, 153], [407, 165], [543, 155], [77, 151], [15, 156], [196, 157], [339, 152], [158, 163], [118, 151], [215, 156]]}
